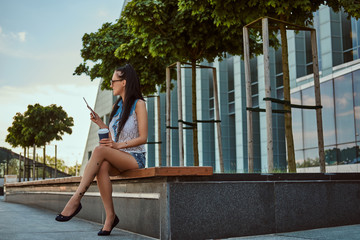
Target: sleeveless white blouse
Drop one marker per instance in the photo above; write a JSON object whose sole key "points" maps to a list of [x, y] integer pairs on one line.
{"points": [[130, 130]]}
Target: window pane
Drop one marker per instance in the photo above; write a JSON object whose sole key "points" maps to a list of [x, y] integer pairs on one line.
{"points": [[346, 31], [230, 67], [254, 89], [356, 79], [327, 101], [297, 128], [331, 155], [309, 118], [278, 61], [312, 157], [280, 93], [297, 121], [344, 109], [308, 47], [231, 108], [279, 80], [347, 153], [253, 69], [299, 159], [231, 96], [255, 101], [211, 87]]}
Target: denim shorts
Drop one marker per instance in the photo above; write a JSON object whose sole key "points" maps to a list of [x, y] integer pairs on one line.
{"points": [[140, 158]]}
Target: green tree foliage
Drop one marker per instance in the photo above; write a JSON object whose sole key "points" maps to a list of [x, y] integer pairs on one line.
{"points": [[170, 31], [15, 132], [100, 48], [351, 7], [44, 124]]}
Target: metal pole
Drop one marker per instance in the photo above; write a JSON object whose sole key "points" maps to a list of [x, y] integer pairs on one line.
{"points": [[168, 118], [180, 115], [218, 127], [20, 167], [55, 161], [24, 170], [28, 164], [318, 102], [265, 35], [34, 160], [44, 166], [37, 168], [250, 134]]}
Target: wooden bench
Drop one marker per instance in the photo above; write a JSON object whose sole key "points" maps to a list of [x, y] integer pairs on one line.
{"points": [[130, 174]]}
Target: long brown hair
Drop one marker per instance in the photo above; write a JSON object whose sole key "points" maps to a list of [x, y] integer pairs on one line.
{"points": [[133, 92]]}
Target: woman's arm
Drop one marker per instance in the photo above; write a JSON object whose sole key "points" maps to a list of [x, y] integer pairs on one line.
{"points": [[97, 120]]}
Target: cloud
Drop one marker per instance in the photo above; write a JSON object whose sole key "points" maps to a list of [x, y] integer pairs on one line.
{"points": [[22, 36], [102, 13], [11, 36]]}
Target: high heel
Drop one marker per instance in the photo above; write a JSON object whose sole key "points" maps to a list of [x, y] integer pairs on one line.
{"points": [[105, 233], [62, 218]]}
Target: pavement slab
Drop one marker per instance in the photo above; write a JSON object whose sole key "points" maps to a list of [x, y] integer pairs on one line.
{"points": [[20, 222]]}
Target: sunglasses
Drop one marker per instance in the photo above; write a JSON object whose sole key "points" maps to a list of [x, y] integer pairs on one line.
{"points": [[112, 81]]}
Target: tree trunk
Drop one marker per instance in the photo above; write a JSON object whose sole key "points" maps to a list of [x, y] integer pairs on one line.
{"points": [[34, 162], [28, 164], [24, 170], [194, 114], [44, 166], [287, 107]]}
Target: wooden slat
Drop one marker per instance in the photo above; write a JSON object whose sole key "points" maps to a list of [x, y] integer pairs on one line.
{"points": [[130, 174], [165, 172]]}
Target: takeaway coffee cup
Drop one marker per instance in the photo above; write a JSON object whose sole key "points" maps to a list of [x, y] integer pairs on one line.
{"points": [[103, 133]]}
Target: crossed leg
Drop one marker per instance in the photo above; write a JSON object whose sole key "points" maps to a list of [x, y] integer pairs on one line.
{"points": [[110, 161]]}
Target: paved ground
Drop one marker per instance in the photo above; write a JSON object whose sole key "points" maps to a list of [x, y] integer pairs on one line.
{"points": [[351, 232], [21, 222]]}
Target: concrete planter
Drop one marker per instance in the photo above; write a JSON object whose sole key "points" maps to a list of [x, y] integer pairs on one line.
{"points": [[210, 206]]}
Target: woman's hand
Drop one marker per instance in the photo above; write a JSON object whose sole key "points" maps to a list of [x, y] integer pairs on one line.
{"points": [[108, 142], [97, 120]]}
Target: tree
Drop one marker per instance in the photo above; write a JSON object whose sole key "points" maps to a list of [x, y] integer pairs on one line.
{"points": [[229, 13], [15, 134], [38, 126], [170, 31], [100, 48], [44, 124]]}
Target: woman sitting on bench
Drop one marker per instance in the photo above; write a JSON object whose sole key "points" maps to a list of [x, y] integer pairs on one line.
{"points": [[123, 150]]}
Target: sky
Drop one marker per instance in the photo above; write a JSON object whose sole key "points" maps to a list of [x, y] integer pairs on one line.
{"points": [[40, 43]]}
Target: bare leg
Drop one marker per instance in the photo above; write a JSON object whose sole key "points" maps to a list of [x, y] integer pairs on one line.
{"points": [[118, 159], [105, 188]]}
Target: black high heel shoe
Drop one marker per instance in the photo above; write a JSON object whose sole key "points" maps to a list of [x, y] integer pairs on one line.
{"points": [[62, 218], [105, 233]]}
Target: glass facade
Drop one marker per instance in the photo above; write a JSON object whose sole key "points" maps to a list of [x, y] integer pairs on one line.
{"points": [[340, 112]]}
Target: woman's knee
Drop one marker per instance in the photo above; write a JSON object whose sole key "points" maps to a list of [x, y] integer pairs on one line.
{"points": [[104, 169], [99, 150]]}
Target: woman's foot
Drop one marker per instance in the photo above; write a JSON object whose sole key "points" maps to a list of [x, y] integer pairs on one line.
{"points": [[108, 226], [72, 208]]}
